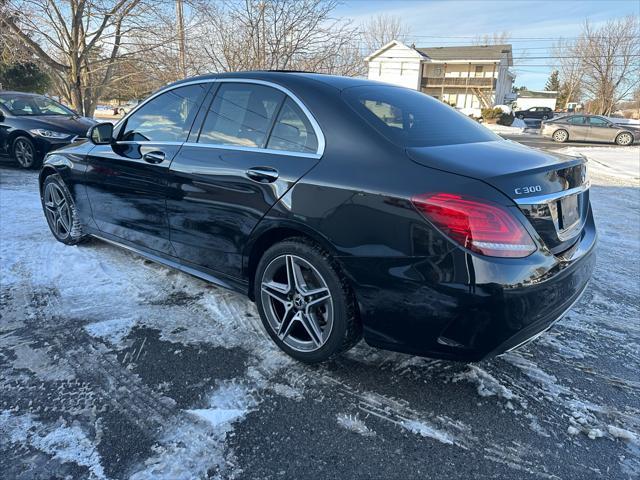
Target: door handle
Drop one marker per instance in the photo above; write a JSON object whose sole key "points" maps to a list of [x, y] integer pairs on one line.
{"points": [[153, 157], [262, 174]]}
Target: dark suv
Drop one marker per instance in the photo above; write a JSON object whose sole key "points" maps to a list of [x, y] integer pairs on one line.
{"points": [[342, 207], [539, 113], [32, 125]]}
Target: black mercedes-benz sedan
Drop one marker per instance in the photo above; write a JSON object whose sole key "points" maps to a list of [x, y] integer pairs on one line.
{"points": [[343, 207], [32, 125]]}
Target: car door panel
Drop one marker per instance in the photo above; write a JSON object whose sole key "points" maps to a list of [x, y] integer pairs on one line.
{"points": [[213, 205], [127, 193], [600, 130], [218, 193], [127, 179]]}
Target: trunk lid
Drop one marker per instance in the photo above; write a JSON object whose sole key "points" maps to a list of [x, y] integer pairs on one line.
{"points": [[550, 189]]}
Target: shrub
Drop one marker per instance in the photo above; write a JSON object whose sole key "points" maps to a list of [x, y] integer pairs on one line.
{"points": [[491, 113], [505, 119]]}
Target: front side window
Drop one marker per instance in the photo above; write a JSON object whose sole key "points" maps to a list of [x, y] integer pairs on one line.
{"points": [[598, 122], [32, 105], [293, 131], [165, 118], [577, 121], [413, 119], [241, 114]]}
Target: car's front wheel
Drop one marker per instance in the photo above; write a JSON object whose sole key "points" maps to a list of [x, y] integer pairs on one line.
{"points": [[305, 302], [60, 211], [24, 152], [560, 136], [624, 139]]}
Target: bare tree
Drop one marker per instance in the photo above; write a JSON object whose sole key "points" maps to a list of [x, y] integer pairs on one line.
{"points": [[277, 34], [382, 29], [80, 41], [571, 70], [610, 57], [496, 38]]}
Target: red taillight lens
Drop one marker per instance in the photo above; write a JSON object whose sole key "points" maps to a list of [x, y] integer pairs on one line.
{"points": [[478, 225]]}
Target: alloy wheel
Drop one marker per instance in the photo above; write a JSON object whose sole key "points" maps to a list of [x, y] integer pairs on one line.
{"points": [[297, 303], [23, 151], [560, 136], [57, 210], [624, 139]]}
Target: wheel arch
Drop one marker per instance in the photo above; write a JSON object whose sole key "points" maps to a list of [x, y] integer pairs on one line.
{"points": [[269, 235], [15, 134], [633, 137]]}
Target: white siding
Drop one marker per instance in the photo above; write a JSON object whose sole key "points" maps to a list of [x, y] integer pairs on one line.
{"points": [[524, 103], [398, 65]]}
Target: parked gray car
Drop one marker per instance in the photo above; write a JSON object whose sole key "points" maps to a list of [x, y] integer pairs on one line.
{"points": [[589, 128]]}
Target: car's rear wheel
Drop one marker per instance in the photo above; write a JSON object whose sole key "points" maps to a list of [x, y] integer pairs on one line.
{"points": [[60, 211], [305, 302], [24, 152], [624, 138], [545, 117], [521, 117], [560, 136]]}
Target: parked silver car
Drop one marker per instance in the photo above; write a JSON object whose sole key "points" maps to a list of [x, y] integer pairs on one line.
{"points": [[589, 128]]}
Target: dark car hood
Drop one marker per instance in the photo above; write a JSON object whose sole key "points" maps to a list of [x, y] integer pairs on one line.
{"points": [[505, 165], [60, 123]]}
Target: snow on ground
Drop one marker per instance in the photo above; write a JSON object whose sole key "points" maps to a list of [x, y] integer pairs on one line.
{"points": [[516, 128], [615, 164], [114, 367]]}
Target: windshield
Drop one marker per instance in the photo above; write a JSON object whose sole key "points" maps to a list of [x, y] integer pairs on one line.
{"points": [[32, 105], [413, 119]]}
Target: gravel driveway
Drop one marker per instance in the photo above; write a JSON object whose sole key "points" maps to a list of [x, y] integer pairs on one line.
{"points": [[115, 367]]}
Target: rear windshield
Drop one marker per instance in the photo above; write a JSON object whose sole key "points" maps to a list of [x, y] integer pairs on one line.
{"points": [[412, 119]]}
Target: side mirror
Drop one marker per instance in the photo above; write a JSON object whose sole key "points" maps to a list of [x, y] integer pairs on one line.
{"points": [[101, 134]]}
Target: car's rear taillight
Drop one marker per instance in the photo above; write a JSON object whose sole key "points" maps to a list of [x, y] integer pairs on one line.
{"points": [[479, 225]]}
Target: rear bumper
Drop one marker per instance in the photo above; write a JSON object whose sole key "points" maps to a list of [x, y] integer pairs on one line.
{"points": [[467, 307]]}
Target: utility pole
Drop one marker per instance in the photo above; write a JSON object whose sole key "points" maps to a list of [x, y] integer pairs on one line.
{"points": [[181, 39]]}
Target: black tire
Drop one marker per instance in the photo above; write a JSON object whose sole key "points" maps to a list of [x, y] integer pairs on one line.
{"points": [[346, 330], [66, 208], [23, 151], [624, 135], [521, 117], [559, 137], [545, 117]]}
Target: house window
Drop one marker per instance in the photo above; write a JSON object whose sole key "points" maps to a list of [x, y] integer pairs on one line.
{"points": [[438, 71], [479, 70]]}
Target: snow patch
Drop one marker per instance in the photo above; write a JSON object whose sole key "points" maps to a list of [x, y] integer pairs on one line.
{"points": [[65, 444], [113, 331], [424, 430], [624, 434], [621, 163], [486, 383], [354, 424]]}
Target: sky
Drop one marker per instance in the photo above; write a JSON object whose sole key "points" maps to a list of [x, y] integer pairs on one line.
{"points": [[534, 25]]}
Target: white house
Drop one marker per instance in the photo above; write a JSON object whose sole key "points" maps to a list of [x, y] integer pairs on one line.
{"points": [[533, 98], [469, 77]]}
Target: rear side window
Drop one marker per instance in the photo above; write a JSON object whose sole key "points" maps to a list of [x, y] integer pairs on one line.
{"points": [[412, 119], [241, 114], [165, 118], [598, 122], [293, 131]]}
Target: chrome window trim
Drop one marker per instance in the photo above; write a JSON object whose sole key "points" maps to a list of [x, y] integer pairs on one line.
{"points": [[551, 197], [270, 151], [314, 124]]}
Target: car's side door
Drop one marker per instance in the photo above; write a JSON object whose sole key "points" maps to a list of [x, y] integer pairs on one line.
{"points": [[127, 179], [600, 130], [4, 128], [256, 141], [578, 127]]}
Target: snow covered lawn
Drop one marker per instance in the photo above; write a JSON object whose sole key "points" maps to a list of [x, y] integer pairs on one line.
{"points": [[516, 128], [114, 367], [610, 164]]}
